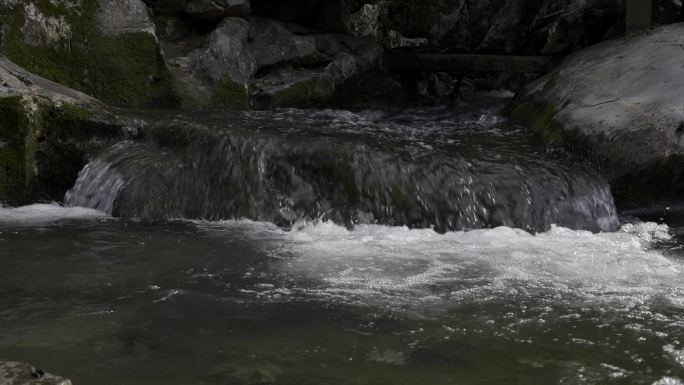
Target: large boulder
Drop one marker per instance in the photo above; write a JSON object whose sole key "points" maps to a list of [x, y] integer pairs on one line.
{"points": [[226, 64], [274, 44], [621, 103], [106, 48], [17, 373]]}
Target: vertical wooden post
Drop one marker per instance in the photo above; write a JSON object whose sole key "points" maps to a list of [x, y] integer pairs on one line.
{"points": [[639, 15]]}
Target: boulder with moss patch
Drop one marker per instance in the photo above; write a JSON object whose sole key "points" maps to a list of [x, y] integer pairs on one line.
{"points": [[620, 103], [47, 132], [105, 48]]}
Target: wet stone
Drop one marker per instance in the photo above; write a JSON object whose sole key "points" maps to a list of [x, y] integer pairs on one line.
{"points": [[17, 373]]}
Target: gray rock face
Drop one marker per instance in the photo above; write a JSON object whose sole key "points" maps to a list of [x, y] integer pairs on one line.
{"points": [[17, 373], [43, 29], [116, 17], [365, 21], [205, 10], [621, 100], [15, 81], [227, 55], [275, 44]]}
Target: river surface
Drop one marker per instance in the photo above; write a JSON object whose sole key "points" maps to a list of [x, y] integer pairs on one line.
{"points": [[130, 291]]}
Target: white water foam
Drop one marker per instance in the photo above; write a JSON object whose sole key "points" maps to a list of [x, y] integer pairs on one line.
{"points": [[398, 266], [44, 213]]}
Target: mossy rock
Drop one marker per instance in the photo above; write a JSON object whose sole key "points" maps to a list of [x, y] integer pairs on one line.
{"points": [[540, 118], [231, 94], [16, 143], [303, 94], [44, 145], [125, 70]]}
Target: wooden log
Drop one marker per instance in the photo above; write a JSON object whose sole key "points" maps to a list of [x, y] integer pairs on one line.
{"points": [[639, 15], [430, 62]]}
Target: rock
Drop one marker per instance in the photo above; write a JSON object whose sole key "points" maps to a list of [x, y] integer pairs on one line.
{"points": [[367, 52], [15, 81], [394, 39], [529, 27], [227, 60], [17, 373], [342, 68], [105, 48], [289, 87], [263, 374], [41, 29], [365, 22], [275, 44], [205, 10], [116, 17], [172, 29], [48, 130], [620, 103]]}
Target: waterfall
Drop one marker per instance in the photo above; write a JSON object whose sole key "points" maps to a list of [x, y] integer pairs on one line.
{"points": [[444, 174]]}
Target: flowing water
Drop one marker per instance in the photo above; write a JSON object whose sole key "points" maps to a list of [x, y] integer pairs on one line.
{"points": [[326, 247]]}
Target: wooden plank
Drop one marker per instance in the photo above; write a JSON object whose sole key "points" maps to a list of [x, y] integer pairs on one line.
{"points": [[639, 15], [431, 62]]}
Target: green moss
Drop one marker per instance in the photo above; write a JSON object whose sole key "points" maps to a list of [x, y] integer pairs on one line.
{"points": [[124, 70], [231, 94], [70, 133], [16, 156], [539, 118], [307, 93]]}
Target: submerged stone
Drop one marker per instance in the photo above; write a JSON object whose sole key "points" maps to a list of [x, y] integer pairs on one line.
{"points": [[17, 373]]}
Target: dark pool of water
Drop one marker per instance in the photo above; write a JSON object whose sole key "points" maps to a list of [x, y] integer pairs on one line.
{"points": [[107, 301]]}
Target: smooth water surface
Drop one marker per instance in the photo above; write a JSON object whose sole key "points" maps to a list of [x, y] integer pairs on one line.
{"points": [[114, 301]]}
